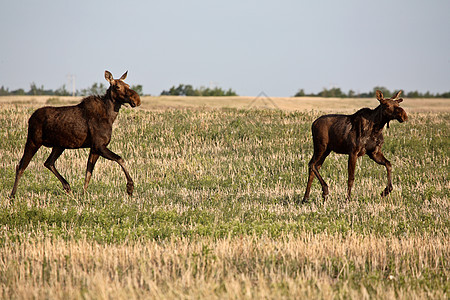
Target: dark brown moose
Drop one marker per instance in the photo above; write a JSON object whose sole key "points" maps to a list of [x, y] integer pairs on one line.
{"points": [[355, 135], [86, 125]]}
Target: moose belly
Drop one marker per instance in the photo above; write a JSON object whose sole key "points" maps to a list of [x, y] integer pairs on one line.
{"points": [[341, 148], [342, 145], [69, 135]]}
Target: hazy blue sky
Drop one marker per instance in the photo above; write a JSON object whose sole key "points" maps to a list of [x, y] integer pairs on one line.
{"points": [[249, 46]]}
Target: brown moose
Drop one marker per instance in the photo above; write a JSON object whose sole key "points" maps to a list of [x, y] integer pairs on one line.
{"points": [[86, 125], [355, 135]]}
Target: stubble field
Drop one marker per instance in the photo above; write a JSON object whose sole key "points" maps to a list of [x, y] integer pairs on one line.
{"points": [[214, 212]]}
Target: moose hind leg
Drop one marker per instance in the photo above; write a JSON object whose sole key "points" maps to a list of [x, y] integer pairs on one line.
{"points": [[318, 165], [308, 185], [314, 166], [30, 150], [50, 164], [379, 158]]}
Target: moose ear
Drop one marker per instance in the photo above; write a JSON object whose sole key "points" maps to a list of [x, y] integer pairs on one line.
{"points": [[124, 76], [109, 77], [379, 95], [399, 100], [396, 95]]}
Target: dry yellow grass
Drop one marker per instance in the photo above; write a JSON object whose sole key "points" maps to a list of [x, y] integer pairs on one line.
{"points": [[239, 268], [290, 103], [346, 105]]}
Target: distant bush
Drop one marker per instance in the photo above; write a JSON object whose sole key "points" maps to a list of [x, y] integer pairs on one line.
{"points": [[188, 90], [53, 101], [338, 93], [95, 89], [138, 89]]}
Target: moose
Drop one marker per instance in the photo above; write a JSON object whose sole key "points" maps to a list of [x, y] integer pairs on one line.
{"points": [[86, 125], [355, 135]]}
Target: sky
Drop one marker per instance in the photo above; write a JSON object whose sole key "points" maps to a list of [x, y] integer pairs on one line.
{"points": [[276, 47]]}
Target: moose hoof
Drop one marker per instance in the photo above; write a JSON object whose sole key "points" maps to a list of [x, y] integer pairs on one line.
{"points": [[67, 189], [324, 192], [305, 200], [130, 188], [386, 191]]}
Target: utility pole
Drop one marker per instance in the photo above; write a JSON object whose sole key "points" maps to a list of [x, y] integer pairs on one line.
{"points": [[71, 81]]}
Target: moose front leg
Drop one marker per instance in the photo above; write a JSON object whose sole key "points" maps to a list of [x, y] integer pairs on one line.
{"points": [[379, 158], [108, 154], [93, 157]]}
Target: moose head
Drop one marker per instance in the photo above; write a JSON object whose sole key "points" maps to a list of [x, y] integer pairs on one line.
{"points": [[120, 92], [391, 107]]}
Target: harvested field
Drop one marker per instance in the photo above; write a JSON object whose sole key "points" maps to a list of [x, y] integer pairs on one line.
{"points": [[214, 215]]}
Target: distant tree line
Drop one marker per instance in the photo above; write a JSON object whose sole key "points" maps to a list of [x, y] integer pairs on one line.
{"points": [[338, 93], [188, 90], [95, 89], [35, 91]]}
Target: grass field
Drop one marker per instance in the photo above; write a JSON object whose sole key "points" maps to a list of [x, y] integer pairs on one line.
{"points": [[214, 215], [346, 105]]}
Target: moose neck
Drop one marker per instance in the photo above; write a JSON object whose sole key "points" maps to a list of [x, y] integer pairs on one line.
{"points": [[112, 106], [380, 119]]}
